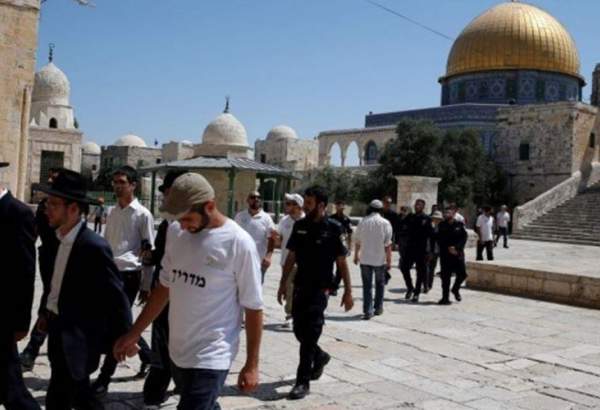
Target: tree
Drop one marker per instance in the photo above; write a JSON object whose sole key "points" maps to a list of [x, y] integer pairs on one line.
{"points": [[456, 156], [340, 183]]}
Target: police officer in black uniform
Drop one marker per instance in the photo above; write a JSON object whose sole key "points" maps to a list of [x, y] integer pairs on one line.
{"points": [[343, 219], [315, 245], [419, 230], [452, 237]]}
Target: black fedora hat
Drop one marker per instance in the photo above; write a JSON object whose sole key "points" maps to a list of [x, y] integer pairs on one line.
{"points": [[69, 185], [4, 164], [170, 178]]}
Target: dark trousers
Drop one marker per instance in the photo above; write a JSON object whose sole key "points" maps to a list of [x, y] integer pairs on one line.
{"points": [[431, 266], [200, 388], [308, 312], [489, 249], [504, 233], [410, 258], [64, 392], [36, 340], [13, 393], [452, 264], [367, 272], [132, 286], [98, 224], [159, 377]]}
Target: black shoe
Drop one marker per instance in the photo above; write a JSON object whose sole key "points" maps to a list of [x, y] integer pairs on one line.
{"points": [[367, 316], [27, 361], [415, 298], [144, 368], [319, 366], [333, 292], [379, 312], [100, 387], [426, 289], [408, 294], [456, 294], [444, 302], [505, 246], [299, 392]]}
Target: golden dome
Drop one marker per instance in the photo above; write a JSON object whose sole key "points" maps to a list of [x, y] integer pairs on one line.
{"points": [[513, 36]]}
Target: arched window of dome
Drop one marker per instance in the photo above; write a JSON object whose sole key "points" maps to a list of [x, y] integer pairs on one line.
{"points": [[263, 158], [593, 140], [53, 123], [371, 153]]}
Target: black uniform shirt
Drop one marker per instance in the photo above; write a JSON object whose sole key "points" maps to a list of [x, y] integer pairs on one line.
{"points": [[393, 218], [419, 230], [451, 234], [344, 221], [317, 245]]}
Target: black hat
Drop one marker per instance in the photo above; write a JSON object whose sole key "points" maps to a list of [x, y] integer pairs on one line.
{"points": [[169, 179], [69, 185], [4, 164]]}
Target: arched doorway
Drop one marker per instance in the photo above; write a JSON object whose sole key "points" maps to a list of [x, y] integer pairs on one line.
{"points": [[352, 155], [371, 153], [335, 155]]}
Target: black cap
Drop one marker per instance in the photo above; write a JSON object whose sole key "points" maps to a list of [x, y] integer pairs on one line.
{"points": [[169, 179]]}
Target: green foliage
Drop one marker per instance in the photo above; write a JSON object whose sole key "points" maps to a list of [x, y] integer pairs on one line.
{"points": [[341, 183], [456, 156]]}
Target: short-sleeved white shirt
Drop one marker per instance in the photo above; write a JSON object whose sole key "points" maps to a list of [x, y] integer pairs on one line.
{"points": [[259, 227], [211, 276], [459, 218], [373, 233], [286, 224], [486, 227], [126, 228], [502, 219]]}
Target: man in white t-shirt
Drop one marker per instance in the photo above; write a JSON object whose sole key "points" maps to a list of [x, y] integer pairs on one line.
{"points": [[210, 275], [373, 250], [502, 221], [260, 226], [485, 231], [293, 210]]}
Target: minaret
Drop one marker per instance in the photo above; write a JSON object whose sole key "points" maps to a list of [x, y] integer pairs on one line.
{"points": [[595, 98]]}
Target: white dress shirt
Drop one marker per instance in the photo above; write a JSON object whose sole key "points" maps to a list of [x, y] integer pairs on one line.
{"points": [[259, 226], [373, 234], [502, 219], [485, 223], [60, 264], [285, 230], [126, 228]]}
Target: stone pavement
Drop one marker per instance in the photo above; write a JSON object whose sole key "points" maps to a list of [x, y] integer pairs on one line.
{"points": [[488, 352]]}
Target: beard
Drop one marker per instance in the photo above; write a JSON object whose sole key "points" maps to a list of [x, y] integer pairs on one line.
{"points": [[313, 214]]}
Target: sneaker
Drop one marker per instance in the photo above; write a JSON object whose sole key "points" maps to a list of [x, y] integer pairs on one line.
{"points": [[299, 392], [456, 294], [408, 294], [444, 302], [27, 361], [319, 366], [144, 368], [415, 298], [100, 387], [378, 311], [367, 316]]}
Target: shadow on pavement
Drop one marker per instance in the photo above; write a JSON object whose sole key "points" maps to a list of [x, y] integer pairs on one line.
{"points": [[265, 391]]}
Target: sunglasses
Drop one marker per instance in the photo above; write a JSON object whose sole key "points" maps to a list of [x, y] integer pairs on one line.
{"points": [[253, 197]]}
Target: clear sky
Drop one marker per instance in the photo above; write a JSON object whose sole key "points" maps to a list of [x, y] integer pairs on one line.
{"points": [[161, 69]]}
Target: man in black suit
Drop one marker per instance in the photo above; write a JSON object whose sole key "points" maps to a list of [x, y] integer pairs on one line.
{"points": [[85, 307], [17, 253]]}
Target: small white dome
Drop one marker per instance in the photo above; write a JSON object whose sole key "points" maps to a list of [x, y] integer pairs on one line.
{"points": [[187, 142], [130, 140], [91, 147], [51, 86], [225, 130], [281, 132]]}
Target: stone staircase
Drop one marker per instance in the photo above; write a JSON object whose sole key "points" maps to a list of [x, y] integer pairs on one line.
{"points": [[576, 221]]}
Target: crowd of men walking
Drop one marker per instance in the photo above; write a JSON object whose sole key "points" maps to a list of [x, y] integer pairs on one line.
{"points": [[199, 280]]}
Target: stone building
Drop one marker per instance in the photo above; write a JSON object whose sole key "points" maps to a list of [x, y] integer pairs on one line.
{"points": [[176, 150], [90, 160], [283, 148], [54, 140], [513, 75], [18, 32], [131, 150]]}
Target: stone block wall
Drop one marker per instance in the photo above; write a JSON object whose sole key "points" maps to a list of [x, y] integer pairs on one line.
{"points": [[136, 157], [411, 188], [360, 136], [18, 42], [553, 132], [292, 154], [214, 150], [176, 151]]}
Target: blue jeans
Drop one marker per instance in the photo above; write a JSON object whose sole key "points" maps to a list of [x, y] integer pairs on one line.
{"points": [[200, 388], [367, 272]]}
